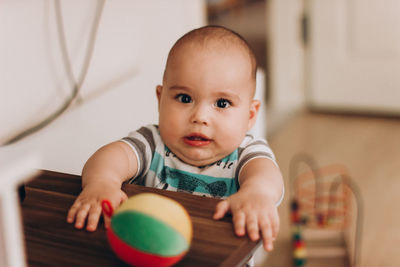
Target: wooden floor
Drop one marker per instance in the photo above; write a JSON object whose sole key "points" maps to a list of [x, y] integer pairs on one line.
{"points": [[370, 148]]}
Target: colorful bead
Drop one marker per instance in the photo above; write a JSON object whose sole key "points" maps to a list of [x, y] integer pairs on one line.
{"points": [[300, 253], [299, 262]]}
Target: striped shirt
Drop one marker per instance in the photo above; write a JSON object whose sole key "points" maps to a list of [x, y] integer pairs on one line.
{"points": [[158, 167]]}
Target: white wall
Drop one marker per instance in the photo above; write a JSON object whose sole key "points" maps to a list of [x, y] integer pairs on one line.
{"points": [[118, 94]]}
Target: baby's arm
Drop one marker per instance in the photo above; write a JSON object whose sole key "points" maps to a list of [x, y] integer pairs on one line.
{"points": [[102, 177], [254, 206]]}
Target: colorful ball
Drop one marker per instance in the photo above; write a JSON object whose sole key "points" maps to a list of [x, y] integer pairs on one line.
{"points": [[150, 230]]}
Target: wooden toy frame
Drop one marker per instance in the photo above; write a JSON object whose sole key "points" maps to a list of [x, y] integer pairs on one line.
{"points": [[322, 213]]}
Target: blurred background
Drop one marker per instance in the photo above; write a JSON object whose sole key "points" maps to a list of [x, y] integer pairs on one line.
{"points": [[75, 75]]}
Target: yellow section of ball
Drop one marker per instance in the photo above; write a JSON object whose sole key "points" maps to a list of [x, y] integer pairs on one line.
{"points": [[163, 208]]}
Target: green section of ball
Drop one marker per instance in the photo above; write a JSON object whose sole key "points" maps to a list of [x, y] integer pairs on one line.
{"points": [[148, 234]]}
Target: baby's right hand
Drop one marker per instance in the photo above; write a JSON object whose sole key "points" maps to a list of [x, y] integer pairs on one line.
{"points": [[88, 205]]}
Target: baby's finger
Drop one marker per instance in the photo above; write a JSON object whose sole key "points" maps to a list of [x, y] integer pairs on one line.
{"points": [[268, 245], [123, 197], [72, 212], [239, 223], [221, 209], [252, 227], [266, 232], [93, 218], [275, 226], [81, 216]]}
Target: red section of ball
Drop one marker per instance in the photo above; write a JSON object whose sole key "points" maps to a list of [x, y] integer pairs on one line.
{"points": [[136, 257]]}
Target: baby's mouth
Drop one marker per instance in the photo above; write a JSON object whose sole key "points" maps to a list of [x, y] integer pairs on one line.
{"points": [[196, 140]]}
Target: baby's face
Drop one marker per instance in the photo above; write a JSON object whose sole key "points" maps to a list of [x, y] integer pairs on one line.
{"points": [[205, 103]]}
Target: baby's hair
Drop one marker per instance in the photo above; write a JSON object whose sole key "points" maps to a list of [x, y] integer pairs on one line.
{"points": [[214, 33]]}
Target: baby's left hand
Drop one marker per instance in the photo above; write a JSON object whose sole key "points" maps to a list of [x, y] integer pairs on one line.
{"points": [[254, 211]]}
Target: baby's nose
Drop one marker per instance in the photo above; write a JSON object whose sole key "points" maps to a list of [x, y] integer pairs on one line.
{"points": [[200, 115]]}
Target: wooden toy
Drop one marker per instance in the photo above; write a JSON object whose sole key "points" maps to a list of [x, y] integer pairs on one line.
{"points": [[149, 230], [325, 228]]}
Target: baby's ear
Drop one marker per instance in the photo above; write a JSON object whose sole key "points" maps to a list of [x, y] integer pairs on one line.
{"points": [[254, 107], [158, 93]]}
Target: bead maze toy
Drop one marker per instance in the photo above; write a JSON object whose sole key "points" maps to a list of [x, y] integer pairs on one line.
{"points": [[326, 215]]}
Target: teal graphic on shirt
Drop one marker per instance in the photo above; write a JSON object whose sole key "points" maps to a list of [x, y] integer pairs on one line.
{"points": [[193, 182]]}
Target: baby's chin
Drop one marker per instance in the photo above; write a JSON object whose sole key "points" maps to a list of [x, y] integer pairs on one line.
{"points": [[198, 161]]}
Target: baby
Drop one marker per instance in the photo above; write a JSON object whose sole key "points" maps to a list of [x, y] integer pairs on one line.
{"points": [[200, 145]]}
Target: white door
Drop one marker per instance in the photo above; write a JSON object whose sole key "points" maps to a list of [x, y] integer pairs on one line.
{"points": [[353, 55]]}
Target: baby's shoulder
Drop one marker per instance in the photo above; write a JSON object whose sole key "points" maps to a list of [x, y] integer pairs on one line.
{"points": [[250, 140]]}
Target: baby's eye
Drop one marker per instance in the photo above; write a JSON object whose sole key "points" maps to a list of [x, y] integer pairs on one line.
{"points": [[223, 103], [184, 98]]}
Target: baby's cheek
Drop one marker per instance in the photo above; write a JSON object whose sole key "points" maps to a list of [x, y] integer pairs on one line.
{"points": [[233, 134], [168, 137]]}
